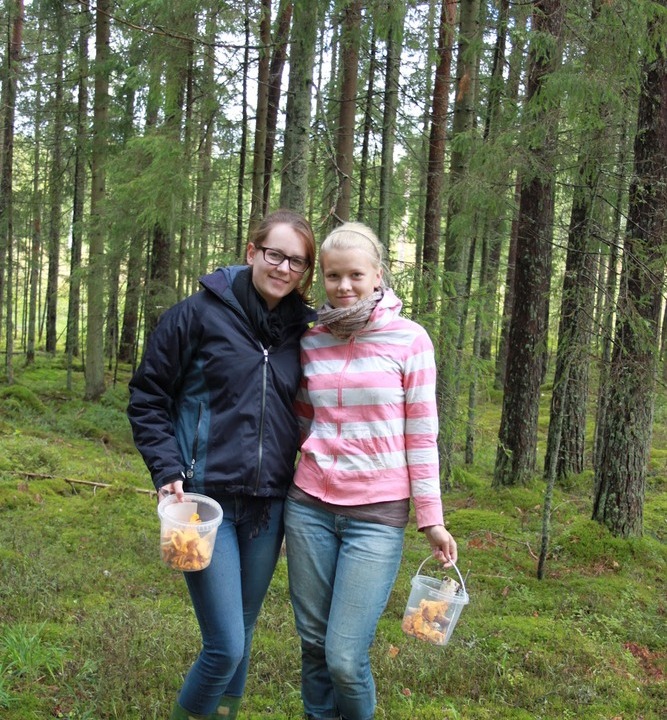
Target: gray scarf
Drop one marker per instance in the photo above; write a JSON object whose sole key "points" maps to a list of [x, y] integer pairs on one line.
{"points": [[344, 322]]}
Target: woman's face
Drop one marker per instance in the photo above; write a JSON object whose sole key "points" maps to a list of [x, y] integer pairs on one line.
{"points": [[274, 282], [349, 276]]}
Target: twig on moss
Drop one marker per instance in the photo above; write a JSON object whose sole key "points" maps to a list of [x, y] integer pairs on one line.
{"points": [[505, 537], [74, 481]]}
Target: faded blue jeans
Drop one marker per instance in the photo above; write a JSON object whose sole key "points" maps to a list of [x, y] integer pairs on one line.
{"points": [[341, 572], [227, 597]]}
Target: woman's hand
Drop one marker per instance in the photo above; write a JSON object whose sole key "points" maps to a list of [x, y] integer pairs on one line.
{"points": [[174, 488], [442, 544]]}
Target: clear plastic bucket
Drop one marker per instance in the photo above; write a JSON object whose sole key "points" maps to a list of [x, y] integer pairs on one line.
{"points": [[434, 607], [188, 530]]}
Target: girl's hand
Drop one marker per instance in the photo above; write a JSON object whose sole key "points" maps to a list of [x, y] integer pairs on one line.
{"points": [[442, 544]]}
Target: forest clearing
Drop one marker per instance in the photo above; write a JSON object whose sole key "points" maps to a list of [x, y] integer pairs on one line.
{"points": [[95, 627], [511, 158]]}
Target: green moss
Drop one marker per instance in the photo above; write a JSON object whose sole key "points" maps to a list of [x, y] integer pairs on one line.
{"points": [[655, 517], [17, 396]]}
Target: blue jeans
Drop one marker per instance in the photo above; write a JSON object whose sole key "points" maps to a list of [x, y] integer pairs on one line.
{"points": [[227, 597], [341, 572]]}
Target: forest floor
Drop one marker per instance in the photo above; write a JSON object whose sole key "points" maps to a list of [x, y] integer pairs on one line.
{"points": [[93, 626]]}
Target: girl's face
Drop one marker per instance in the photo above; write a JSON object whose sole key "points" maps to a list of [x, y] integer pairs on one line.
{"points": [[274, 282], [349, 276]]}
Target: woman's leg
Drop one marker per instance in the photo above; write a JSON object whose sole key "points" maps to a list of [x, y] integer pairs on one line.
{"points": [[259, 554], [216, 598], [312, 553], [226, 598], [368, 563]]}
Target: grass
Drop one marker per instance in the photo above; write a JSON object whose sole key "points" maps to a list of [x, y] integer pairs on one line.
{"points": [[93, 627]]}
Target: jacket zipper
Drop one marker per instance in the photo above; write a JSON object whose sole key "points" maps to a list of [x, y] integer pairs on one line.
{"points": [[339, 424], [190, 472], [260, 449]]}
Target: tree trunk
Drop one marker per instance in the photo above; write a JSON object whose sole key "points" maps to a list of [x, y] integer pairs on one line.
{"points": [[261, 116], [281, 36], [240, 230], [494, 221], [436, 154], [36, 241], [364, 162], [606, 322], [458, 237], [94, 370], [130, 325], [418, 298], [392, 77], [185, 259], [6, 179], [294, 174], [56, 182], [517, 439], [347, 108], [161, 286], [208, 110], [567, 425], [74, 299], [626, 441]]}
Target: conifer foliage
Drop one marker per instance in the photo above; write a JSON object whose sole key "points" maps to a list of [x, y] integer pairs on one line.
{"points": [[511, 156]]}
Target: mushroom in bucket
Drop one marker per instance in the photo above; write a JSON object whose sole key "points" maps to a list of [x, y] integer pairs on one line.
{"points": [[434, 607], [188, 530]]}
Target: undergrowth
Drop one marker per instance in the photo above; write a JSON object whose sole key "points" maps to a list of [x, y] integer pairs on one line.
{"points": [[93, 627]]}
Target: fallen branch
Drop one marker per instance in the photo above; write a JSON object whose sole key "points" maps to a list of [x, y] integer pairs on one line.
{"points": [[490, 533], [73, 481]]}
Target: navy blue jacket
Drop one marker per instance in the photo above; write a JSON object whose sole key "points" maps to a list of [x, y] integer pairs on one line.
{"points": [[210, 405]]}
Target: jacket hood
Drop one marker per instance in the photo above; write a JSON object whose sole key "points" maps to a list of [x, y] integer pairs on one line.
{"points": [[220, 281], [385, 311]]}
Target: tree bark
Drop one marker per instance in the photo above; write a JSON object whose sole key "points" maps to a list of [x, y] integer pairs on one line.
{"points": [[620, 478], [347, 108], [418, 299], [281, 36], [392, 77], [436, 155], [14, 42], [294, 174], [517, 438], [459, 236], [56, 182], [74, 299], [243, 151], [94, 369], [364, 161], [36, 240], [261, 117]]}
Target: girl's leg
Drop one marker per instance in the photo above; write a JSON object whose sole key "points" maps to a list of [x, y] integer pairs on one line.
{"points": [[368, 563], [312, 553]]}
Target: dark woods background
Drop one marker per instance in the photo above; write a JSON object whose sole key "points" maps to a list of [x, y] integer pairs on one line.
{"points": [[512, 157]]}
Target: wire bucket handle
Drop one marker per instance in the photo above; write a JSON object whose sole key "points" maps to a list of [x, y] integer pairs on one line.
{"points": [[463, 585]]}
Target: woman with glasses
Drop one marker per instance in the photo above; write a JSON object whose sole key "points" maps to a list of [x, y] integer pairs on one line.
{"points": [[211, 409]]}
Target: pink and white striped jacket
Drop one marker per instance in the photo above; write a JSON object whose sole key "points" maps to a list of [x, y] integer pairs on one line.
{"points": [[368, 415]]}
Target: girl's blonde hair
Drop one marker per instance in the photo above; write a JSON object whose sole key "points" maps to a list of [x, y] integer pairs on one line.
{"points": [[357, 236]]}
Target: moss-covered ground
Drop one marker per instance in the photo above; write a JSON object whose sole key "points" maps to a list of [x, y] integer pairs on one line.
{"points": [[94, 627]]}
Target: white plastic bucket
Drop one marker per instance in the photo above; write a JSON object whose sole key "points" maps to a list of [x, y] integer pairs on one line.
{"points": [[434, 607], [188, 530]]}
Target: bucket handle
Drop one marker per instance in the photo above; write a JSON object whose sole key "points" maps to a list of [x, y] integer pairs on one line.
{"points": [[463, 585]]}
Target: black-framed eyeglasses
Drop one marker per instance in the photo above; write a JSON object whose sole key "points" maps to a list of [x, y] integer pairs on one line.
{"points": [[275, 257]]}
